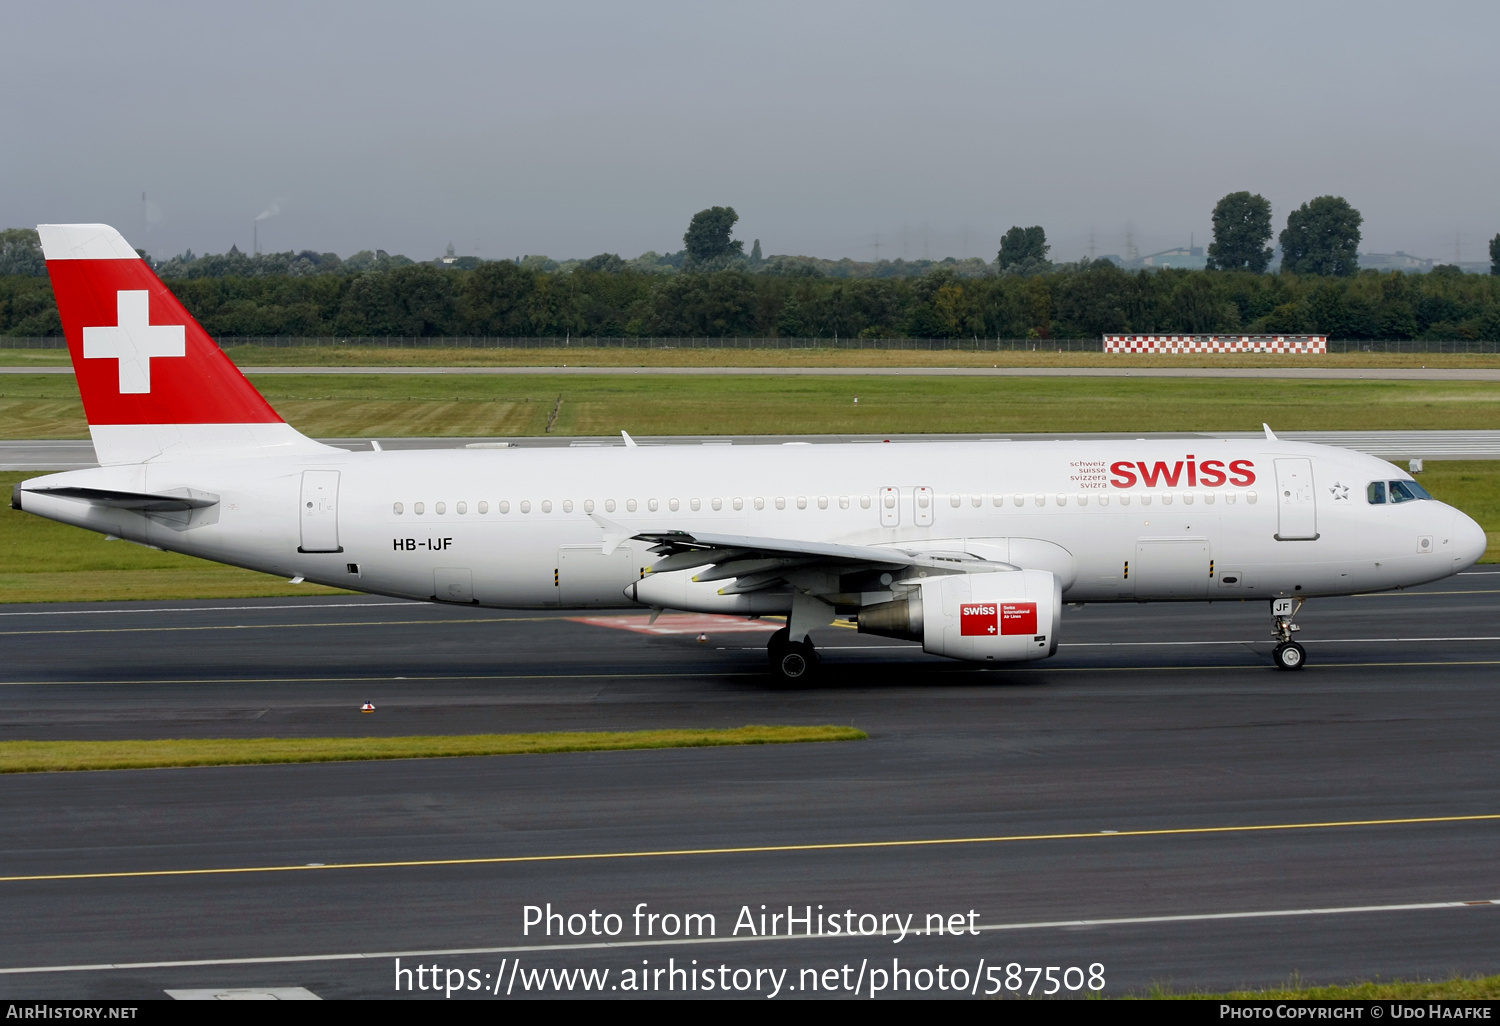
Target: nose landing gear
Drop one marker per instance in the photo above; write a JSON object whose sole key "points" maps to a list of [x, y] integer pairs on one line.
{"points": [[792, 662], [1288, 654]]}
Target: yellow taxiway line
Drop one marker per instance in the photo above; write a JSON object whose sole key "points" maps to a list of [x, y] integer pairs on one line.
{"points": [[759, 849]]}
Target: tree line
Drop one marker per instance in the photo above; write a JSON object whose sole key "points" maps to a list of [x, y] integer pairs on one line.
{"points": [[715, 289], [1077, 301]]}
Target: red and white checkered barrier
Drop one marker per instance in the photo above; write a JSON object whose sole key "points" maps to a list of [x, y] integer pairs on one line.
{"points": [[1298, 344]]}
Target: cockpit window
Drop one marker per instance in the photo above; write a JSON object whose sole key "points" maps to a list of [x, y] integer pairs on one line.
{"points": [[1406, 491], [1376, 493]]}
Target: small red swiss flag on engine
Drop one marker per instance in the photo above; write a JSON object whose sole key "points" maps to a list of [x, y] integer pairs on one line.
{"points": [[982, 618]]}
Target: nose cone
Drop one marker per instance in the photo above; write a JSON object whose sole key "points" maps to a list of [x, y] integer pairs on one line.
{"points": [[1469, 541]]}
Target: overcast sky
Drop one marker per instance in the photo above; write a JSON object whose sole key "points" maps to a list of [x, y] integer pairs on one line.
{"points": [[577, 128]]}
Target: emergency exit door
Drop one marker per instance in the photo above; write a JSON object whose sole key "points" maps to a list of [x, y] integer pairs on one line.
{"points": [[1296, 500], [320, 511]]}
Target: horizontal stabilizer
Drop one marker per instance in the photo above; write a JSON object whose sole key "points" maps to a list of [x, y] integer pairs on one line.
{"points": [[174, 500]]}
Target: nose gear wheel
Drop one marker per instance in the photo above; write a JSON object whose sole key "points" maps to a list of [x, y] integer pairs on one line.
{"points": [[1288, 654]]}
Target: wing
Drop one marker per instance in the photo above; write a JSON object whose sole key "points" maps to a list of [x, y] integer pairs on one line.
{"points": [[827, 568]]}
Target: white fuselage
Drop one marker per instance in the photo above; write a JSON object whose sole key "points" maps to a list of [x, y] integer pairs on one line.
{"points": [[518, 528]]}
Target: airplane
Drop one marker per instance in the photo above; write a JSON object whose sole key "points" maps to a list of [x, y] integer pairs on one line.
{"points": [[971, 548]]}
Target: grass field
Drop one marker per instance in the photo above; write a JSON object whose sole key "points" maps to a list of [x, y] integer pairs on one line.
{"points": [[580, 356], [47, 406], [52, 756], [44, 561]]}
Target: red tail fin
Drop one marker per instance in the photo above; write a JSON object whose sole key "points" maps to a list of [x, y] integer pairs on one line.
{"points": [[143, 363]]}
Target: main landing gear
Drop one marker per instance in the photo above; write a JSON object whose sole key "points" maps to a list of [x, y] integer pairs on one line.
{"points": [[792, 662], [1288, 654]]}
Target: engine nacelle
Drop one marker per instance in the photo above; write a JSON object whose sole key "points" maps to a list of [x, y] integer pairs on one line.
{"points": [[1011, 616]]}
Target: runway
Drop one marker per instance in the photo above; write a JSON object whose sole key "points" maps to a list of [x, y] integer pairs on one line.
{"points": [[1308, 373], [45, 455], [1156, 799]]}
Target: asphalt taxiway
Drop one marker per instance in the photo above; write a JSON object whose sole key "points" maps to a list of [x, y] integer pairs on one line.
{"points": [[1156, 798]]}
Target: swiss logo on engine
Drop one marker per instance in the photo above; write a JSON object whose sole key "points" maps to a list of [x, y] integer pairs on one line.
{"points": [[1018, 618], [979, 618]]}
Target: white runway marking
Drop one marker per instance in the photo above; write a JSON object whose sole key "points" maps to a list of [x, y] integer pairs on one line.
{"points": [[1257, 641], [523, 949]]}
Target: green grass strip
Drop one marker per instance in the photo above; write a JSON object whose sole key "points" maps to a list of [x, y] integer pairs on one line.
{"points": [[53, 756], [1457, 988]]}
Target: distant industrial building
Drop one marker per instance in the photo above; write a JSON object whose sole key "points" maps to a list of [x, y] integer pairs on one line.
{"points": [[1400, 261], [1186, 258]]}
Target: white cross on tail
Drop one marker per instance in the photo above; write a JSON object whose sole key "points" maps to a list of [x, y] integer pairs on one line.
{"points": [[134, 340]]}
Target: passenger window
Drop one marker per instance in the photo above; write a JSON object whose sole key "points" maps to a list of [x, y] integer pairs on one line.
{"points": [[630, 505], [822, 502], [780, 502], [695, 505], [1062, 500], [718, 504], [417, 508], [672, 505], [440, 508], [890, 500], [397, 508], [976, 501], [1083, 498], [567, 506], [609, 505], [462, 508], [588, 506], [1375, 494], [484, 507], [998, 500], [739, 503], [651, 505], [801, 502], [504, 506], [525, 505], [864, 502], [1250, 497], [760, 502], [955, 501], [546, 505], [843, 502]]}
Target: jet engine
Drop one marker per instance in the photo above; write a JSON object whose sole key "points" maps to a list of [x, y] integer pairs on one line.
{"points": [[1008, 616]]}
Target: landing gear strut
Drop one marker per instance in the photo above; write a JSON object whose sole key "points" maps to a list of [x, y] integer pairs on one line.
{"points": [[1288, 654], [792, 662]]}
